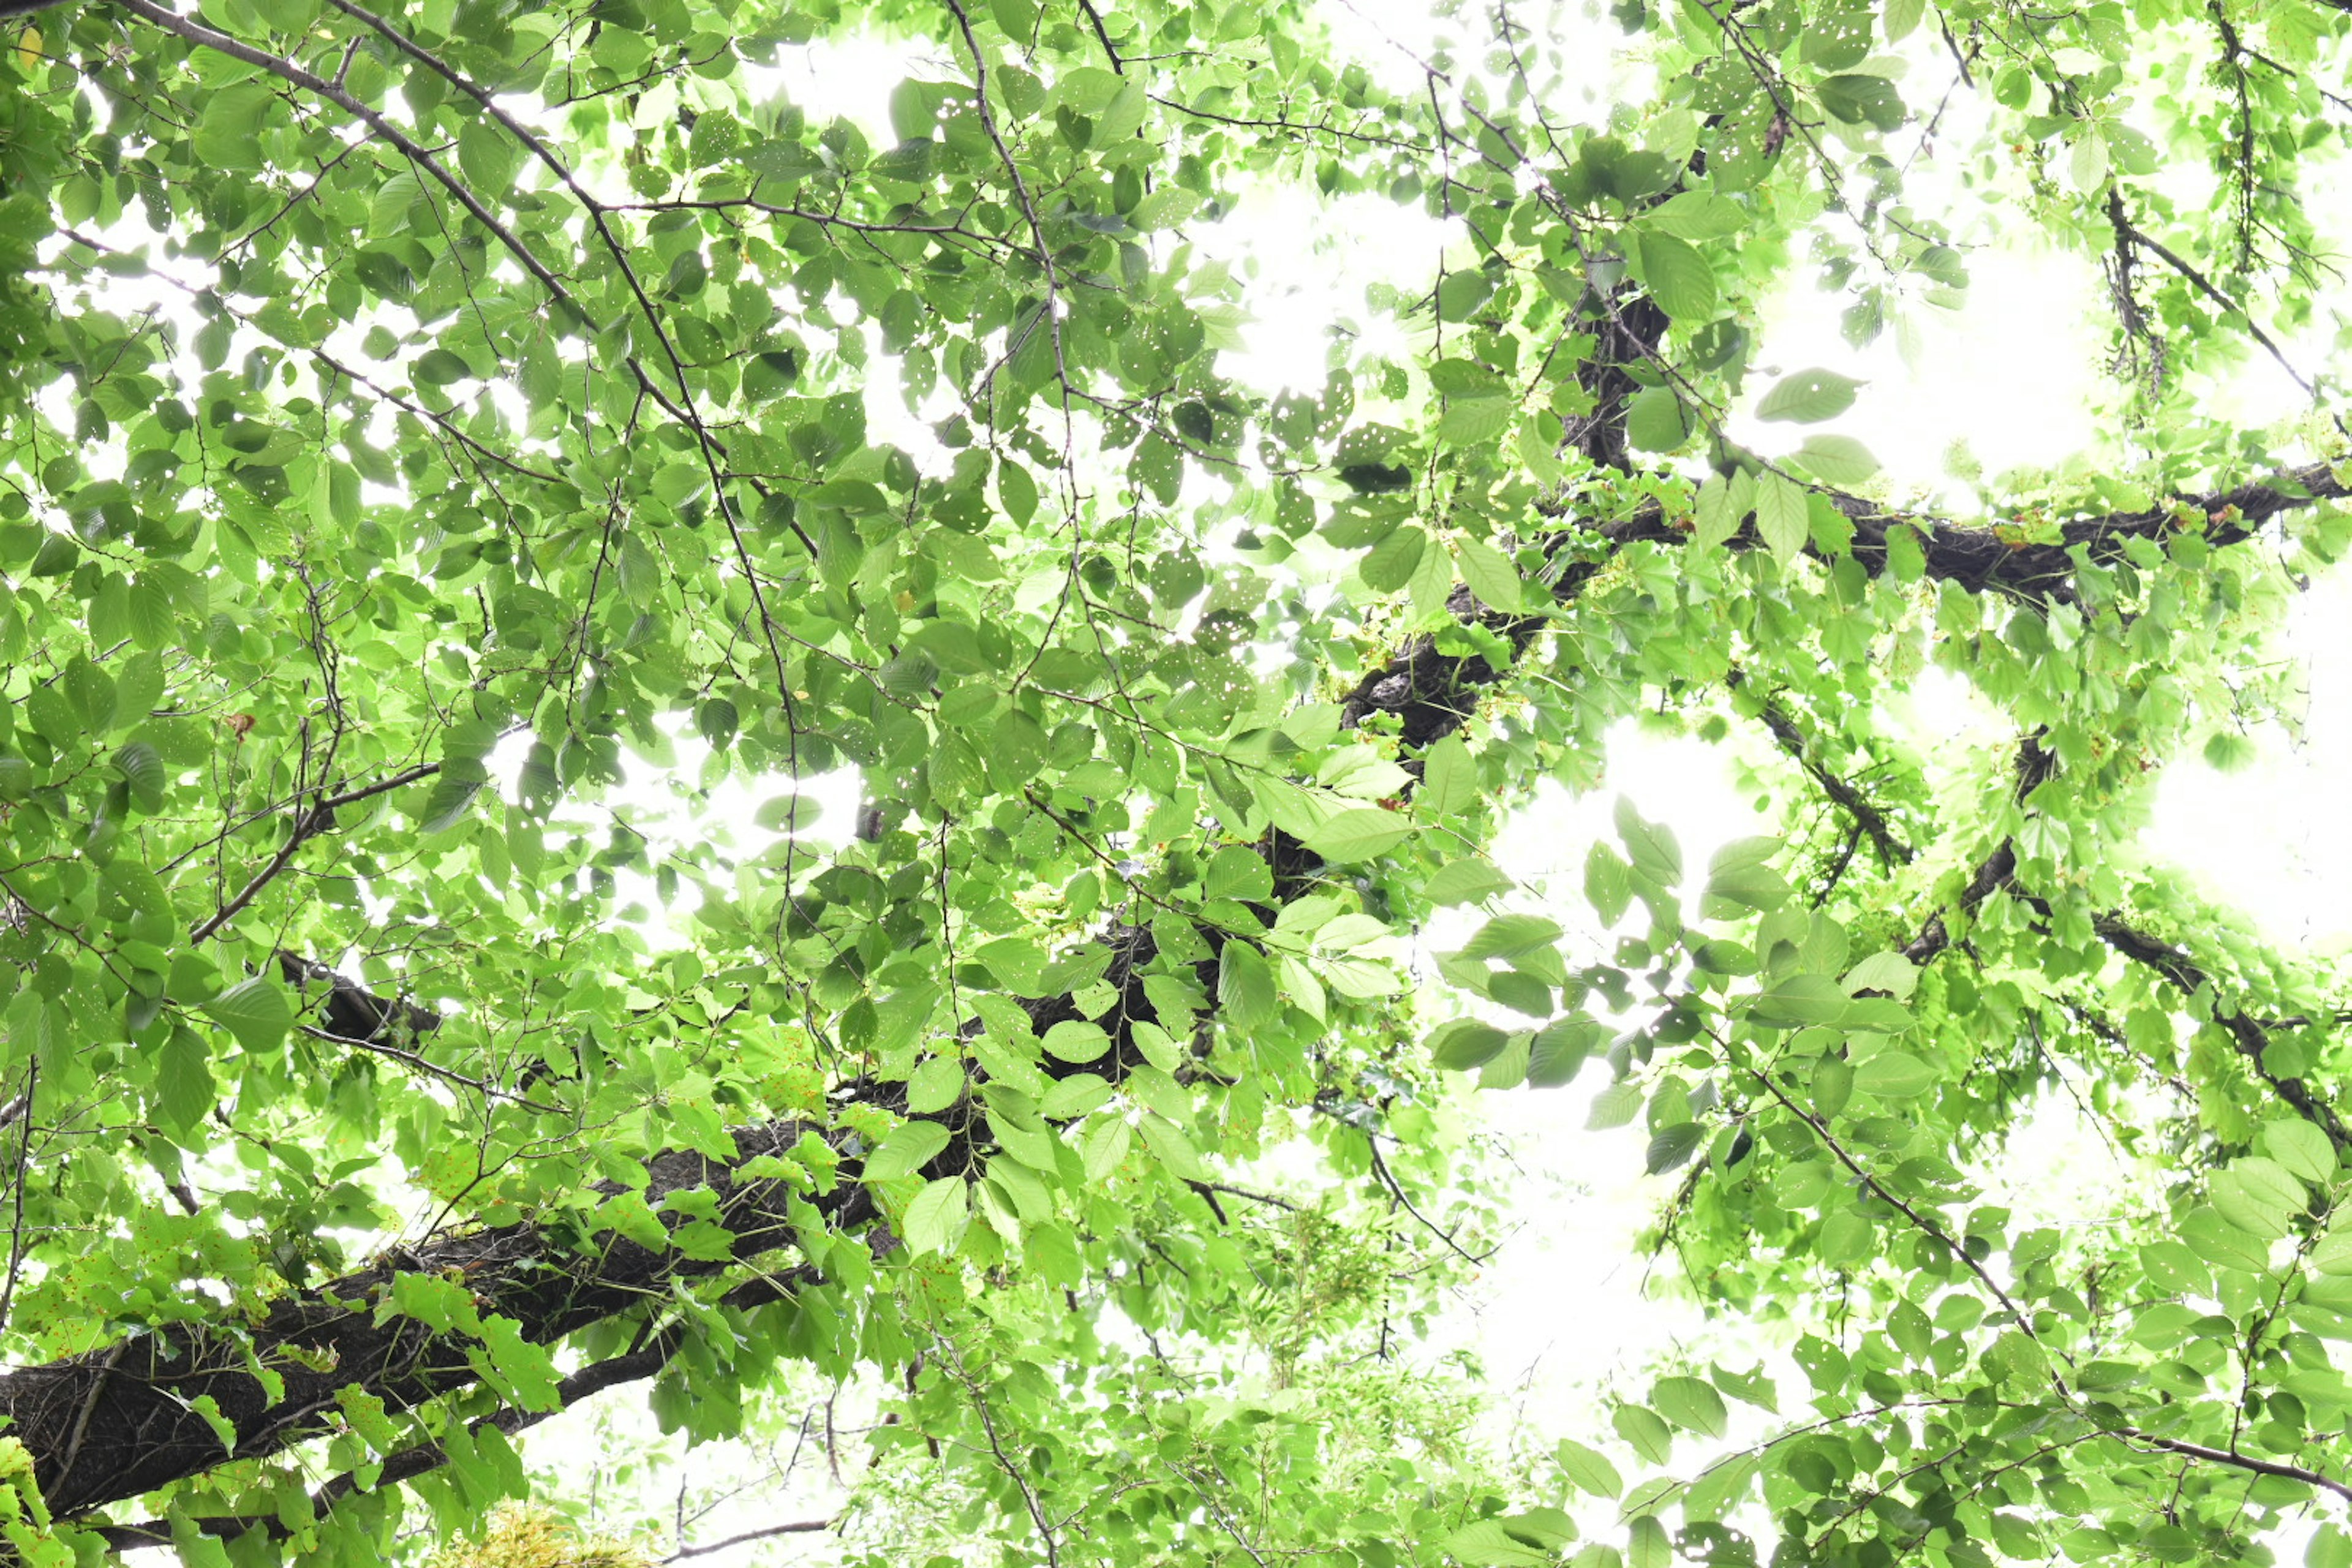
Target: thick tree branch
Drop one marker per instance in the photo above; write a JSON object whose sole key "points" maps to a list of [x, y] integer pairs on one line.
{"points": [[1980, 561], [633, 1365], [409, 1463], [116, 1423]]}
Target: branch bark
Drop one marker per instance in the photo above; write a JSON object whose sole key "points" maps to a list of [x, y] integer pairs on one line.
{"points": [[118, 1422], [1980, 561]]}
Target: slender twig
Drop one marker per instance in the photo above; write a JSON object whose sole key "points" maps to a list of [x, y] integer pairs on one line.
{"points": [[1020, 191], [434, 1070], [2246, 1462], [1005, 1461], [797, 1527], [1396, 1190], [286, 70], [309, 825], [1868, 818], [1102, 36], [16, 1186], [2126, 229]]}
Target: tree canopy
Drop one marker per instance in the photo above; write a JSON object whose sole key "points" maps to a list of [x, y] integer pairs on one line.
{"points": [[451, 454]]}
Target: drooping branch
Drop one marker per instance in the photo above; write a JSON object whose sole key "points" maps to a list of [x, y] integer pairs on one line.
{"points": [[2129, 235], [1866, 817], [1997, 870], [309, 821], [2251, 1037], [2247, 1034], [196, 34]]}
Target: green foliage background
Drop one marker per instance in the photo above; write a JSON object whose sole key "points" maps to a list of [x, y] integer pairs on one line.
{"points": [[505, 408]]}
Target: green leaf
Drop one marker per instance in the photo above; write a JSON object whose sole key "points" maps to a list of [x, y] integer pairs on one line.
{"points": [[1470, 421], [1245, 988], [1808, 397], [1670, 1147], [225, 133], [1846, 1238], [1512, 936], [1888, 972], [1835, 459], [1699, 217], [1171, 1148], [788, 813], [1486, 1543], [142, 768], [255, 1012], [1720, 1488], [1739, 876], [1864, 99], [1650, 1436], [1676, 275], [1607, 882], [936, 1220], [1460, 1044], [953, 646], [1589, 1470], [1651, 845], [1614, 1107], [906, 1149], [934, 1085], [1490, 574], [1105, 1147], [447, 801], [2301, 1149], [1389, 565], [184, 1090], [1560, 1050], [1689, 1402], [1895, 1075], [527, 1369], [1358, 833], [1782, 516], [1656, 420], [1466, 881], [1449, 778], [2257, 1196], [1803, 999], [439, 367]]}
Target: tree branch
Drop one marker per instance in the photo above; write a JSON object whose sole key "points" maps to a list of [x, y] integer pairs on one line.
{"points": [[123, 1420], [1868, 818], [2236, 1461], [286, 70], [796, 1527]]}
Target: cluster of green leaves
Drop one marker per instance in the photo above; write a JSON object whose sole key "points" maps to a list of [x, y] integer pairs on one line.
{"points": [[415, 415]]}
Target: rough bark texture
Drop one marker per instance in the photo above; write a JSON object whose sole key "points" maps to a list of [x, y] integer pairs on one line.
{"points": [[1980, 561], [117, 1422]]}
